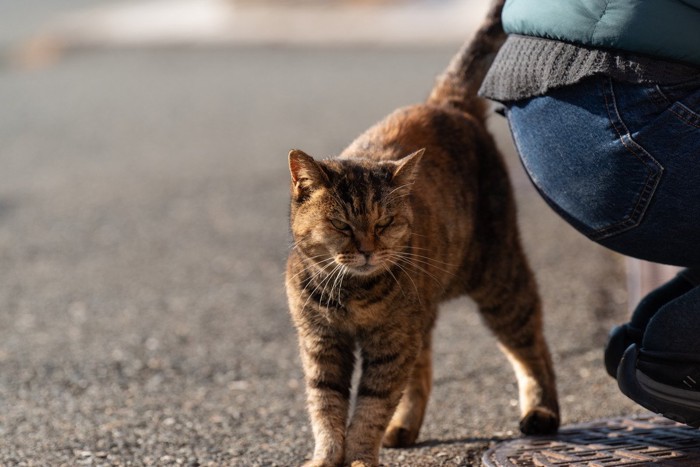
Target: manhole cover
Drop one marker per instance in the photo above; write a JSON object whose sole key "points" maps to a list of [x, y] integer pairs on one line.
{"points": [[647, 440]]}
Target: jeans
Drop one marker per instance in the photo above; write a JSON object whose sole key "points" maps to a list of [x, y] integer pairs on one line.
{"points": [[620, 162]]}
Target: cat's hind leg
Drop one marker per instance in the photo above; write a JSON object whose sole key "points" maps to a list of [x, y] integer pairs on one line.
{"points": [[538, 402], [515, 317]]}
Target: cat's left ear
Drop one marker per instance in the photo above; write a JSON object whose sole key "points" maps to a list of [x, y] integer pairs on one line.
{"points": [[407, 168]]}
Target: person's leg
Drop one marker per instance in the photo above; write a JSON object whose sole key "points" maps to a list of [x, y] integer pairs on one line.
{"points": [[619, 163]]}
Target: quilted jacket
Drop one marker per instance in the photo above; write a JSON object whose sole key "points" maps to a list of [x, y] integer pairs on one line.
{"points": [[668, 29]]}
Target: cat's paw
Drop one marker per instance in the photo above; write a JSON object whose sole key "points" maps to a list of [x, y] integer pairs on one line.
{"points": [[539, 421], [399, 437], [320, 463], [361, 464]]}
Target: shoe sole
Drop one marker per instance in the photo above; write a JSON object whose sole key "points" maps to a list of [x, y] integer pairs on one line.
{"points": [[674, 403]]}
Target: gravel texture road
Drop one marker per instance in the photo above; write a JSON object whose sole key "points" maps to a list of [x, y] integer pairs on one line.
{"points": [[143, 233]]}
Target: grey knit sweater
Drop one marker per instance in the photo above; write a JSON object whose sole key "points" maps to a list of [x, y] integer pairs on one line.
{"points": [[530, 66]]}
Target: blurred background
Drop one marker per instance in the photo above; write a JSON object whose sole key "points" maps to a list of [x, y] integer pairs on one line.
{"points": [[143, 230]]}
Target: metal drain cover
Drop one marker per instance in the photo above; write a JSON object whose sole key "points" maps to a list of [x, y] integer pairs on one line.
{"points": [[641, 441]]}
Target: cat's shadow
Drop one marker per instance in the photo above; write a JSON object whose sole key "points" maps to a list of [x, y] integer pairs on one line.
{"points": [[429, 443]]}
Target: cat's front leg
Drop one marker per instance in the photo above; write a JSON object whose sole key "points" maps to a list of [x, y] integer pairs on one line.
{"points": [[328, 359], [387, 362], [405, 424]]}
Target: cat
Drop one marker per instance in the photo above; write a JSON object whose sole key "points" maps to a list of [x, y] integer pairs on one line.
{"points": [[417, 210]]}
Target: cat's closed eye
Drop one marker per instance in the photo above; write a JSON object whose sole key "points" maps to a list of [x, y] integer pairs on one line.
{"points": [[384, 223], [340, 225]]}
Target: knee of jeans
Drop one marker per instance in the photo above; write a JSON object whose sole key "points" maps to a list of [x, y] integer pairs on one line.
{"points": [[675, 327]]}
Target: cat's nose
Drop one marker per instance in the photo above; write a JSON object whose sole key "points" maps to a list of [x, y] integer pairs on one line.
{"points": [[365, 247], [367, 255]]}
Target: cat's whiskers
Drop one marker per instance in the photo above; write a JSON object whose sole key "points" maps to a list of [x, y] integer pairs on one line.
{"points": [[306, 268], [305, 257], [412, 263], [396, 263], [413, 247], [420, 265], [388, 269], [410, 184], [311, 280], [428, 258], [343, 273], [427, 261], [398, 196], [340, 276], [346, 270], [325, 282], [315, 288]]}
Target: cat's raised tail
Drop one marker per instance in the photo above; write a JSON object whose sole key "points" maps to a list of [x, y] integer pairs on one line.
{"points": [[459, 83]]}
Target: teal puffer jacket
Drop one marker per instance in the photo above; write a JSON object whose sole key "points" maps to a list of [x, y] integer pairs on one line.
{"points": [[667, 29]]}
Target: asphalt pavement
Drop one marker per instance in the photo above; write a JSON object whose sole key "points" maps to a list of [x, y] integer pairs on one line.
{"points": [[143, 234]]}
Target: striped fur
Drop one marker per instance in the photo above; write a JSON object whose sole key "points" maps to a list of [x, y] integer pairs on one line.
{"points": [[417, 210]]}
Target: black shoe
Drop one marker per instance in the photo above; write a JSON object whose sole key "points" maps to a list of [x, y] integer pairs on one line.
{"points": [[623, 336], [665, 383], [619, 339]]}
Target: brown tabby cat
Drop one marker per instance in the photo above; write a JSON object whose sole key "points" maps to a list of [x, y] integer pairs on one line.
{"points": [[419, 209]]}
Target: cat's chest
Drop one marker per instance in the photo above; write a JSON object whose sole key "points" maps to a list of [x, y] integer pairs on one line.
{"points": [[357, 311], [362, 314]]}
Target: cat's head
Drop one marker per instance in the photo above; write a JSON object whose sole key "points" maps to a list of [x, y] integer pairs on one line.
{"points": [[351, 216]]}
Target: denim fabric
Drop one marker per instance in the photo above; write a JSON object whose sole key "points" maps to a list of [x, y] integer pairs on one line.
{"points": [[620, 162]]}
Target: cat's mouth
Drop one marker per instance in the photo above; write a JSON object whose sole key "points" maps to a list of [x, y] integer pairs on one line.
{"points": [[364, 265], [365, 269]]}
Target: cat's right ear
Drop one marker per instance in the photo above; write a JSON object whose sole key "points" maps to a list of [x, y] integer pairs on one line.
{"points": [[407, 169], [306, 174]]}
